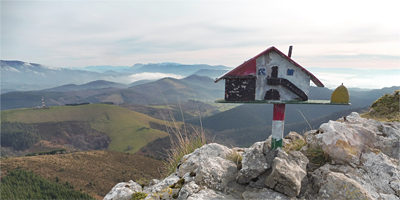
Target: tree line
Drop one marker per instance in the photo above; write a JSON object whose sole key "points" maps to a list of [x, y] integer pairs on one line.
{"points": [[22, 184], [19, 136]]}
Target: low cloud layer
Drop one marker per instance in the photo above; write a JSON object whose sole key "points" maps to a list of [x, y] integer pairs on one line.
{"points": [[356, 78], [152, 76]]}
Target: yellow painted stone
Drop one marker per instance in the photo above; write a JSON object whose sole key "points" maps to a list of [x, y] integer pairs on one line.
{"points": [[340, 95]]}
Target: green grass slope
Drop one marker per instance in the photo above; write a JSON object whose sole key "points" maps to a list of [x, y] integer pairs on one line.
{"points": [[123, 126], [386, 108]]}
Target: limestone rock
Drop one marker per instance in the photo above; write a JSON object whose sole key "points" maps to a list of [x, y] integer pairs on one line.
{"points": [[123, 191], [377, 173], [376, 178], [345, 140], [254, 163], [338, 186], [287, 172], [395, 185], [264, 193], [165, 194], [188, 189], [235, 190], [210, 166], [161, 185], [293, 136], [209, 194], [365, 165]]}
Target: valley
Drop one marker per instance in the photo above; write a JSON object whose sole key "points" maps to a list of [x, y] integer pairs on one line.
{"points": [[99, 133], [128, 130]]}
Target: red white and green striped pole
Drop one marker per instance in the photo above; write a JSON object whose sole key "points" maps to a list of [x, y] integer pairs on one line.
{"points": [[277, 126]]}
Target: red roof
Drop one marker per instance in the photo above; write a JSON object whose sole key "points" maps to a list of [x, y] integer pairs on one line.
{"points": [[248, 68]]}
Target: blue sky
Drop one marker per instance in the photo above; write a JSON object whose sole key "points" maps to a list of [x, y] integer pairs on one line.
{"points": [[325, 34]]}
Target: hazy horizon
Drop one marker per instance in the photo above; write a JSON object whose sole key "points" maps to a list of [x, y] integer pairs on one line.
{"points": [[339, 34]]}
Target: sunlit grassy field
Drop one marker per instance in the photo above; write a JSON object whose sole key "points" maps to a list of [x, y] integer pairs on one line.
{"points": [[124, 127]]}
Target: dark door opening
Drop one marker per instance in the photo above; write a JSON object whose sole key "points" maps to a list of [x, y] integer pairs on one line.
{"points": [[272, 94]]}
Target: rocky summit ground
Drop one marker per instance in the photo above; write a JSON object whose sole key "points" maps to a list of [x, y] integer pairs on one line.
{"points": [[351, 158]]}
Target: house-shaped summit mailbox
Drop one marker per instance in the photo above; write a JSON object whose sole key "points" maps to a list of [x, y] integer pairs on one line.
{"points": [[270, 75]]}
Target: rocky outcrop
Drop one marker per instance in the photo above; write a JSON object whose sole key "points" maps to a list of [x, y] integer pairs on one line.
{"points": [[288, 171], [123, 191], [361, 161]]}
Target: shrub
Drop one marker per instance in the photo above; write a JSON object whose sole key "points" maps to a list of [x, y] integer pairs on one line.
{"points": [[138, 196], [143, 182]]}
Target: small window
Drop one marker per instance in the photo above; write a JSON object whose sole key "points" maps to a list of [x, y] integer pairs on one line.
{"points": [[290, 72]]}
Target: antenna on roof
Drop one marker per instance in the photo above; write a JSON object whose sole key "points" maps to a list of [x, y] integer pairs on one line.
{"points": [[290, 51]]}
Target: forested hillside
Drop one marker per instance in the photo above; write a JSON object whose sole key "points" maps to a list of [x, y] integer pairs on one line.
{"points": [[22, 184], [17, 135]]}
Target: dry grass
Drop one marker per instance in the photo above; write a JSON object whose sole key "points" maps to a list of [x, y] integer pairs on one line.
{"points": [[236, 158], [315, 154], [181, 145], [182, 142], [294, 146], [95, 172]]}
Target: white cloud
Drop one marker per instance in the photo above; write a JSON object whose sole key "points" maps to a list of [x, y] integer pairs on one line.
{"points": [[361, 80], [152, 76]]}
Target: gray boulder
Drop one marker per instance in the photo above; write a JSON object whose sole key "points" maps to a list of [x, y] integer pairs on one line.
{"points": [[254, 163], [345, 140], [209, 166], [161, 185], [264, 193], [287, 173], [123, 191], [208, 194]]}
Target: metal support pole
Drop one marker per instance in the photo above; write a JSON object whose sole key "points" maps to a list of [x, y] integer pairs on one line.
{"points": [[277, 126]]}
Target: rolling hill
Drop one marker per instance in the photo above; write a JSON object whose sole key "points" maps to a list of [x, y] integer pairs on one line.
{"points": [[166, 90], [128, 130], [99, 84]]}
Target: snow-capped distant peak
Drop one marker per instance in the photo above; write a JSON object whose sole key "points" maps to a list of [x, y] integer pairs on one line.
{"points": [[53, 68], [10, 69]]}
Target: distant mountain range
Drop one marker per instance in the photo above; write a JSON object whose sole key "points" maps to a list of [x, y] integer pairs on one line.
{"points": [[24, 76], [165, 90], [100, 84], [176, 68], [20, 75]]}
